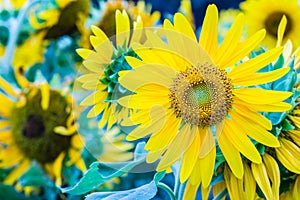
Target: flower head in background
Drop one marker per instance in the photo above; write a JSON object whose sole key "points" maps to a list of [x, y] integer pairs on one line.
{"points": [[63, 17], [37, 123], [189, 93], [134, 10], [267, 14], [102, 66]]}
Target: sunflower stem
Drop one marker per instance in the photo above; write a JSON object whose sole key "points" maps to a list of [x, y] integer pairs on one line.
{"points": [[14, 31], [167, 189]]}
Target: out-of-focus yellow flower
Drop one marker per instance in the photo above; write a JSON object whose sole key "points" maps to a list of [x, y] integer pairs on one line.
{"points": [[65, 18], [267, 14], [107, 23], [37, 123]]}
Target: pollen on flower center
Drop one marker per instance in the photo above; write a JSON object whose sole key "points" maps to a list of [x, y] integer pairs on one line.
{"points": [[272, 22], [201, 95]]}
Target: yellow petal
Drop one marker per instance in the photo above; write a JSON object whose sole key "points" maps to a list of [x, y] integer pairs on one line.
{"points": [[255, 64], [253, 116], [96, 110], [289, 155], [164, 137], [122, 28], [207, 167], [238, 138], [158, 118], [182, 25], [181, 142], [148, 74], [6, 158], [260, 96], [260, 174], [84, 53], [273, 172], [295, 135], [245, 47], [232, 155], [189, 159], [230, 42], [94, 98], [270, 107], [137, 30], [45, 92], [94, 66], [209, 33], [281, 30], [249, 183], [57, 167], [296, 188], [190, 191], [261, 78], [17, 172], [257, 132]]}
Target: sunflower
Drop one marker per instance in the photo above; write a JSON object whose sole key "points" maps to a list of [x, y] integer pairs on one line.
{"points": [[101, 67], [189, 93], [37, 124], [61, 18], [267, 14], [134, 11]]}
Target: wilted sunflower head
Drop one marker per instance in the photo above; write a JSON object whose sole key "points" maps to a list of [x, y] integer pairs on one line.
{"points": [[38, 123]]}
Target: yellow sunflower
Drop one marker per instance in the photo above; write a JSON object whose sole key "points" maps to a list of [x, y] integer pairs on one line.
{"points": [[188, 93], [65, 17], [134, 11], [37, 123], [267, 14], [101, 66]]}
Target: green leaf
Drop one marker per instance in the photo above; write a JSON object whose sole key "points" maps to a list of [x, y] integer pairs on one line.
{"points": [[144, 192], [100, 173], [286, 125]]}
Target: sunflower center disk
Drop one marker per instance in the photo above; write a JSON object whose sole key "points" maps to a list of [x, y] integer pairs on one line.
{"points": [[33, 127], [272, 22], [201, 95]]}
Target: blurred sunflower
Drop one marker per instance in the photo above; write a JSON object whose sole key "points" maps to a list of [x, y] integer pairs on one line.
{"points": [[64, 17], [289, 151], [102, 66], [134, 10], [267, 14], [185, 89], [37, 123]]}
